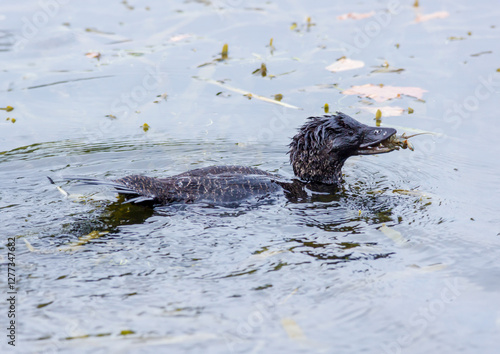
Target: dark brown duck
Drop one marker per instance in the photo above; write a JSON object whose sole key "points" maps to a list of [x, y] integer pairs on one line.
{"points": [[317, 154]]}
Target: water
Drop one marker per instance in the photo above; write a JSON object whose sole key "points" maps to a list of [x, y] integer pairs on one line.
{"points": [[322, 276]]}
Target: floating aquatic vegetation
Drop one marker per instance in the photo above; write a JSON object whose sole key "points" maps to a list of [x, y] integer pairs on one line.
{"points": [[393, 234], [8, 108], [326, 107], [29, 246], [295, 27], [93, 55], [224, 53], [95, 30], [343, 64], [381, 93], [126, 332], [278, 97], [271, 46], [386, 111], [161, 97], [179, 37], [262, 70], [74, 246], [135, 54], [292, 329], [355, 16], [127, 5], [386, 68], [309, 23], [432, 16], [378, 117], [145, 127], [410, 110], [481, 53], [247, 93]]}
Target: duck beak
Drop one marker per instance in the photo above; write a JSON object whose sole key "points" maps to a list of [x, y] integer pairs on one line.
{"points": [[376, 141]]}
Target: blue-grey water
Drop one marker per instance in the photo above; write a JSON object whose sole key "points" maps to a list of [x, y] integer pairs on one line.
{"points": [[405, 259]]}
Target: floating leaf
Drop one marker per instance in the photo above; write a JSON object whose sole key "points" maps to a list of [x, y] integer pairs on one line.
{"points": [[415, 4], [179, 37], [432, 16], [386, 111], [381, 93], [413, 193], [93, 55], [344, 64], [326, 107], [278, 97], [355, 16], [30, 247], [393, 234], [145, 127], [429, 268], [292, 329], [410, 110], [293, 26]]}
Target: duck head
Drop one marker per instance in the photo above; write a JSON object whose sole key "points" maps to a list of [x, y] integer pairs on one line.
{"points": [[320, 148]]}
